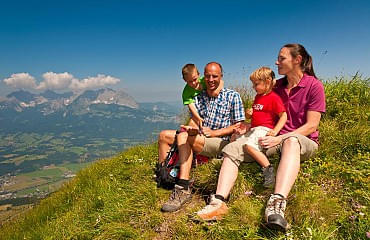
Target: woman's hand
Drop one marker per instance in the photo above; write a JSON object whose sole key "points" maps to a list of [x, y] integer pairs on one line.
{"points": [[269, 141], [272, 133]]}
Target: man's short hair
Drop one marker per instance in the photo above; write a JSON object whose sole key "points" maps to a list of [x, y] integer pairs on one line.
{"points": [[189, 68], [222, 71]]}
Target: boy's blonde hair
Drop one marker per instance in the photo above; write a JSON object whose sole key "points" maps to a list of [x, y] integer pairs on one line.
{"points": [[263, 74], [189, 68]]}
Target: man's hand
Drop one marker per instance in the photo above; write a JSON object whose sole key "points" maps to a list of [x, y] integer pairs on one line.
{"points": [[242, 128], [207, 132], [199, 122], [192, 131], [235, 136]]}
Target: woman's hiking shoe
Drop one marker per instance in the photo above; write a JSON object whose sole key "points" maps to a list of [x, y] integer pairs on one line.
{"points": [[268, 176], [214, 210], [274, 213], [179, 197]]}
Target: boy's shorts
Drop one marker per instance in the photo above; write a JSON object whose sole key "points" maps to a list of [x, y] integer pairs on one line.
{"points": [[252, 136], [213, 146], [235, 151]]}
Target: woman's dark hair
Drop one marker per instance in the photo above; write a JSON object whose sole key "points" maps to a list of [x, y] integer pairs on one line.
{"points": [[306, 64]]}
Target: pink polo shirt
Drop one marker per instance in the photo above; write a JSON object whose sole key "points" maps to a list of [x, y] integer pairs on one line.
{"points": [[308, 95]]}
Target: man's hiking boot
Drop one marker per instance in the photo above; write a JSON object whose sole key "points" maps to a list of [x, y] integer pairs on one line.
{"points": [[274, 213], [179, 197], [214, 210], [268, 176]]}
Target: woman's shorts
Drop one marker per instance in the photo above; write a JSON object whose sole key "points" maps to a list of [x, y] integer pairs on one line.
{"points": [[234, 150]]}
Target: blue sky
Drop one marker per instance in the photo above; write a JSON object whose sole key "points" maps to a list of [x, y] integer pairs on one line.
{"points": [[140, 46]]}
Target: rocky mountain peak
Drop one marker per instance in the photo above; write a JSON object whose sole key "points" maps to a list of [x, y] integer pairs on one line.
{"points": [[52, 101]]}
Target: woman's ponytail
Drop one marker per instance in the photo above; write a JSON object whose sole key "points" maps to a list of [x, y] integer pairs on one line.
{"points": [[306, 64]]}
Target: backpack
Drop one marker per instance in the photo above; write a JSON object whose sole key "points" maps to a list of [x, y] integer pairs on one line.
{"points": [[167, 172]]}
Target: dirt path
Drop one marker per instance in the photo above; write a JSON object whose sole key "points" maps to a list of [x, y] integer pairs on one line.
{"points": [[164, 229]]}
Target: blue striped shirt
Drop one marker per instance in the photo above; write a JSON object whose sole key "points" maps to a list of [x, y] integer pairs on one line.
{"points": [[222, 111]]}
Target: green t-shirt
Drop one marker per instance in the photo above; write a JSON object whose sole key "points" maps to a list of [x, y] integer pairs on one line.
{"points": [[189, 93]]}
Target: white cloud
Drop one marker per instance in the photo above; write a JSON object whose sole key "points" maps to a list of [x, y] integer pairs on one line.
{"points": [[93, 82], [55, 81], [21, 80], [59, 81]]}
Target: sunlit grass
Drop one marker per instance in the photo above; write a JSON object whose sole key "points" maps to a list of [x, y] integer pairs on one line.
{"points": [[117, 198]]}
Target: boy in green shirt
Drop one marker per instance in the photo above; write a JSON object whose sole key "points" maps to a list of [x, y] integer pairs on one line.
{"points": [[194, 85]]}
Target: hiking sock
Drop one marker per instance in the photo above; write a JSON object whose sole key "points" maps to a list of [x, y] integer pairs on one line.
{"points": [[183, 183], [220, 197], [266, 167], [279, 195]]}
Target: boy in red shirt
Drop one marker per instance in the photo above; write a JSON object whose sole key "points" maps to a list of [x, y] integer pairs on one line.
{"points": [[268, 118]]}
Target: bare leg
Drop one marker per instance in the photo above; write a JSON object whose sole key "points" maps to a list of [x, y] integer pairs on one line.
{"points": [[165, 139], [185, 155], [182, 138], [226, 179], [258, 156], [288, 167], [195, 143]]}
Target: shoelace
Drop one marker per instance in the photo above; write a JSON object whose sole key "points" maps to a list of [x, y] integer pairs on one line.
{"points": [[276, 205], [175, 194], [208, 207], [212, 204]]}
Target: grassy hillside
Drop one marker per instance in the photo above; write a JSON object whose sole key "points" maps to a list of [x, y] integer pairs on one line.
{"points": [[117, 199]]}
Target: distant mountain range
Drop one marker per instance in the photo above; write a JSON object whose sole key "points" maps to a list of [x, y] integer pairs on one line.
{"points": [[93, 121], [50, 102]]}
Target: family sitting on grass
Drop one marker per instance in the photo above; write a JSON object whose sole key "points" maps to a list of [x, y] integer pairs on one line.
{"points": [[285, 116]]}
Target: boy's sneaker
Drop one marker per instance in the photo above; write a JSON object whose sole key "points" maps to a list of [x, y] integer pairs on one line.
{"points": [[274, 213], [268, 176], [179, 197], [214, 210]]}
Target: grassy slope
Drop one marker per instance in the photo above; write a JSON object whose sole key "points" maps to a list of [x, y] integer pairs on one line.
{"points": [[117, 199]]}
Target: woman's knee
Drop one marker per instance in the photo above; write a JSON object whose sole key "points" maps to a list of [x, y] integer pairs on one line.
{"points": [[291, 142], [227, 160]]}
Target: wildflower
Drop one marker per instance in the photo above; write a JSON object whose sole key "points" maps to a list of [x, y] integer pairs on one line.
{"points": [[248, 193]]}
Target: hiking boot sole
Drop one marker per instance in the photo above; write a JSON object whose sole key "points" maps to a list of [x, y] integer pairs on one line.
{"points": [[174, 209], [278, 224], [216, 215]]}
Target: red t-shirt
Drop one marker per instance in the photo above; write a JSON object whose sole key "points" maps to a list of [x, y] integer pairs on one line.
{"points": [[266, 110]]}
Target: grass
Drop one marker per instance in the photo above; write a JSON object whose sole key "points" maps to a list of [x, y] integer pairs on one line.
{"points": [[52, 173], [116, 198], [75, 167]]}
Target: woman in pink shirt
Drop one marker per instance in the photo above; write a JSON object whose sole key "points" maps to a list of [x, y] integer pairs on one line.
{"points": [[304, 99]]}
